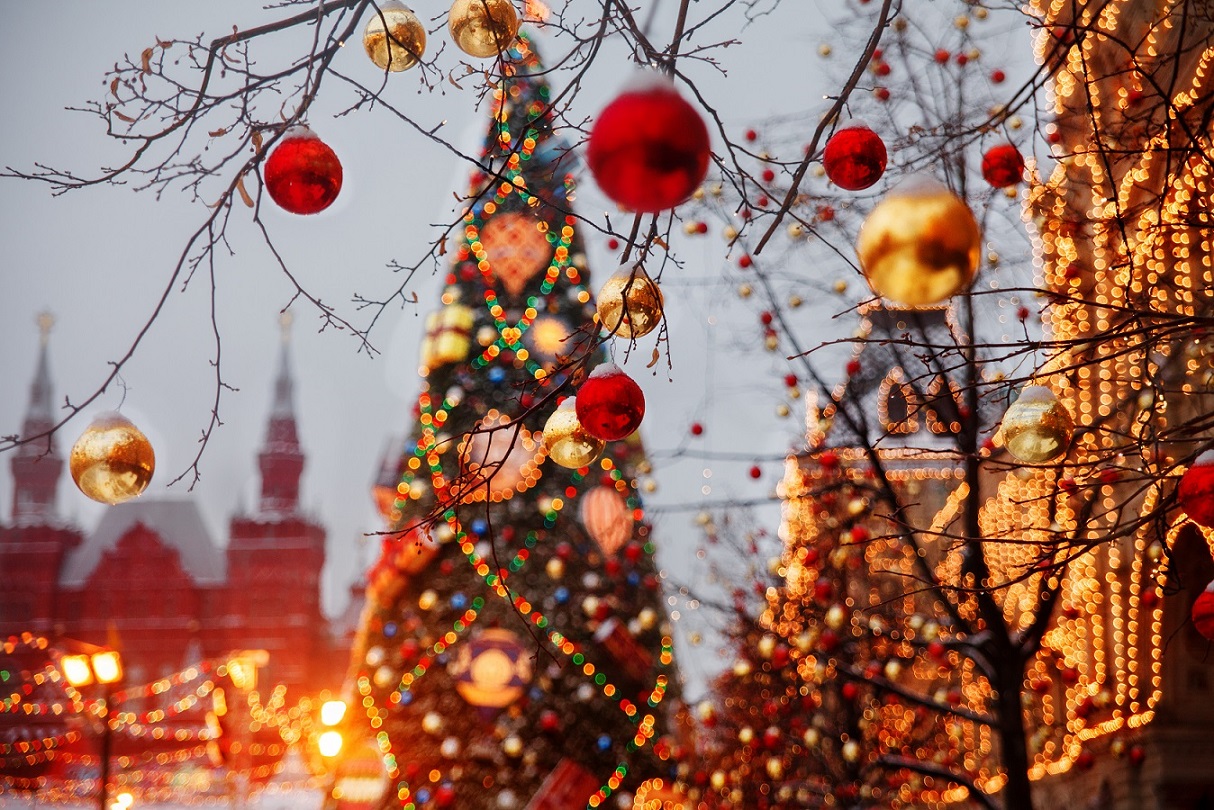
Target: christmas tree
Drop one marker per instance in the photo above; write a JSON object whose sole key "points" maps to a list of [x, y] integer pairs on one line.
{"points": [[513, 652]]}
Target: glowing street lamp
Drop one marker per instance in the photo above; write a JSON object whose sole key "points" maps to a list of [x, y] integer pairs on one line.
{"points": [[101, 666], [329, 743]]}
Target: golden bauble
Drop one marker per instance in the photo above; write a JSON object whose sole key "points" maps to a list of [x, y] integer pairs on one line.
{"points": [[1037, 428], [112, 461], [568, 443], [394, 38], [483, 28], [630, 303], [920, 245]]}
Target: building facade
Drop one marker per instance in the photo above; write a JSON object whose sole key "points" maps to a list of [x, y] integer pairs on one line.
{"points": [[149, 576]]}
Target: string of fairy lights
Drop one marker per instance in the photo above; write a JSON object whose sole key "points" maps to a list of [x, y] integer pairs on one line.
{"points": [[172, 734], [424, 461]]}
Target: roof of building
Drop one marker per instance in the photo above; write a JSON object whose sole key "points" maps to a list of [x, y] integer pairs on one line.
{"points": [[178, 524]]}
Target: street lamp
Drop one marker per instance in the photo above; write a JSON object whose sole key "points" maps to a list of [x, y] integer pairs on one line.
{"points": [[103, 667], [332, 712]]}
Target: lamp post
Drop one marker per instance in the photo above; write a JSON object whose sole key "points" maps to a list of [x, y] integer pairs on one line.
{"points": [[104, 667]]}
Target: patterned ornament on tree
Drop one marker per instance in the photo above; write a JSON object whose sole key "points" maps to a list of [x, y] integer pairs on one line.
{"points": [[112, 461], [1002, 165], [483, 28], [394, 38], [1203, 612], [854, 157], [610, 405], [920, 245], [568, 443], [1195, 493], [302, 174], [492, 669], [630, 303], [607, 518], [649, 148], [448, 336], [498, 460], [1037, 428]]}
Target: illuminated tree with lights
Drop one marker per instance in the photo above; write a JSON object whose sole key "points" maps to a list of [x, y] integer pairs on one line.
{"points": [[514, 648]]}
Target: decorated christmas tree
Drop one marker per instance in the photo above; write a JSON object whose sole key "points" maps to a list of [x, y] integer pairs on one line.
{"points": [[513, 652]]}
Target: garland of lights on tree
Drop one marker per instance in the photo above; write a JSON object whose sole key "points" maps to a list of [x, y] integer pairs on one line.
{"points": [[514, 651]]}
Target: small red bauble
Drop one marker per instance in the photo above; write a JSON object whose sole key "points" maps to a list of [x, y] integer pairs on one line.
{"points": [[850, 691], [854, 158], [549, 720], [1203, 613], [998, 76], [853, 368], [609, 404], [1195, 494], [1002, 165], [649, 148], [756, 472], [302, 174], [1137, 755], [942, 56], [697, 429]]}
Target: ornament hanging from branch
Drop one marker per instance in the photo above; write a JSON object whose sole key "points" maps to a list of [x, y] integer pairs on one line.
{"points": [[113, 460], [302, 174], [568, 443], [630, 303], [649, 148], [1195, 494], [610, 405], [1002, 166], [854, 157], [920, 245], [394, 38], [483, 28], [1037, 428]]}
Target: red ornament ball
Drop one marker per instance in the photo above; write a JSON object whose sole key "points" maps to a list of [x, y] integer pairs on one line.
{"points": [[649, 148], [1002, 165], [302, 174], [696, 429], [850, 691], [756, 471], [1203, 613], [854, 157], [1195, 494], [609, 404]]}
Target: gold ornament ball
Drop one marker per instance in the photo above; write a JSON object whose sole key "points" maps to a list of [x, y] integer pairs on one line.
{"points": [[483, 28], [112, 461], [1037, 428], [630, 303], [920, 245], [394, 38], [569, 445]]}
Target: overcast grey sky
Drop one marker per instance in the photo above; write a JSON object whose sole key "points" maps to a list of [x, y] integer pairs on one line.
{"points": [[98, 259]]}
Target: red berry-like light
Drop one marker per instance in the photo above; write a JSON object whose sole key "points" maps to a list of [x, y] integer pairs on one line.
{"points": [[697, 429], [302, 174], [609, 404], [1203, 613], [1002, 165], [649, 148], [1195, 494], [854, 158]]}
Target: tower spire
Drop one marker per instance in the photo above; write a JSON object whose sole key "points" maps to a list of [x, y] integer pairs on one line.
{"points": [[281, 460], [37, 464]]}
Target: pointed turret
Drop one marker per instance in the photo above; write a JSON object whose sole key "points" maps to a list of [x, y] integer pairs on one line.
{"points": [[37, 464], [281, 460]]}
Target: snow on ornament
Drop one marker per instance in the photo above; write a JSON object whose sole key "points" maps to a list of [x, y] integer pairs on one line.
{"points": [[920, 245], [302, 174], [606, 518], [854, 157], [483, 28], [1002, 165], [610, 405], [568, 443], [1203, 613], [1195, 493], [649, 148], [394, 38], [113, 460]]}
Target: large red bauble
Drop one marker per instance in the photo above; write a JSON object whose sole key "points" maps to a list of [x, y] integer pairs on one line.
{"points": [[1002, 165], [854, 157], [1195, 494], [302, 174], [649, 148], [609, 404], [1203, 612]]}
